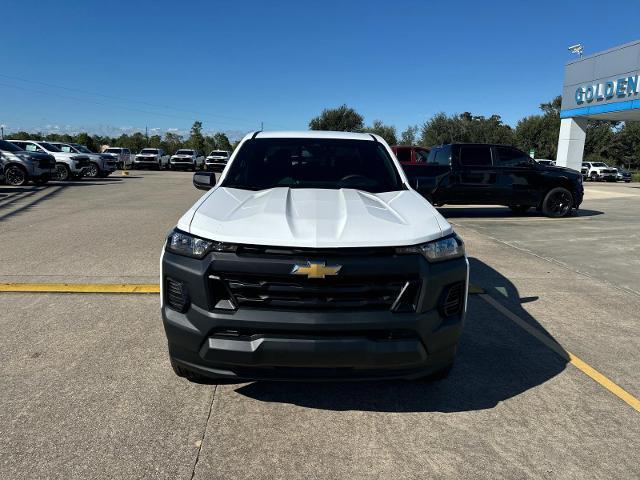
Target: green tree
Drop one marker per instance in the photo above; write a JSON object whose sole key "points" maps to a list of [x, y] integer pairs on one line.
{"points": [[222, 142], [196, 139], [155, 141], [388, 132], [172, 142], [410, 135], [540, 132], [341, 119]]}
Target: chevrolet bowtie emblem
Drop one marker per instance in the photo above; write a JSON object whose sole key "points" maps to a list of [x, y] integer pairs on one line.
{"points": [[316, 270]]}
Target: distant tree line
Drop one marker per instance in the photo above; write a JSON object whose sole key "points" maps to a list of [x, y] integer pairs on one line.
{"points": [[135, 142], [617, 143]]}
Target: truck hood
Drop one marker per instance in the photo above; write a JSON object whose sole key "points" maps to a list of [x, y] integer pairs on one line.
{"points": [[316, 218]]}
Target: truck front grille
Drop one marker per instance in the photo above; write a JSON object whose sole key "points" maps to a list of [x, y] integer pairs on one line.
{"points": [[280, 292]]}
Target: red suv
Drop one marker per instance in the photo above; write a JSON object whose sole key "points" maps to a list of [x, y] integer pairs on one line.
{"points": [[410, 154]]}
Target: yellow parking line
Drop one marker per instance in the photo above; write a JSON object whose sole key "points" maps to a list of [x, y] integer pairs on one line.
{"points": [[80, 287], [580, 364]]}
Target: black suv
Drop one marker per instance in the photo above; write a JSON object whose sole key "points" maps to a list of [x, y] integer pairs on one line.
{"points": [[484, 174]]}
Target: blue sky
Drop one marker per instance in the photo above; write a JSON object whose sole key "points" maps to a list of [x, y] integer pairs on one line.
{"points": [[109, 65]]}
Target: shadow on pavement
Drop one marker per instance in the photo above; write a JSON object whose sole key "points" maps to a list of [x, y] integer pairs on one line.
{"points": [[497, 360], [505, 212]]}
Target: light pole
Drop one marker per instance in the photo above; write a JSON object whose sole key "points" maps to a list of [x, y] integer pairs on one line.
{"points": [[1, 132]]}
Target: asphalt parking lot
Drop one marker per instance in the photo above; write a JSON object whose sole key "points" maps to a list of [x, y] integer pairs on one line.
{"points": [[87, 390]]}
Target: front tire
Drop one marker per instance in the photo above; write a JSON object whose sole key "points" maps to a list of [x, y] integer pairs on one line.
{"points": [[15, 176], [62, 172], [557, 203], [93, 171]]}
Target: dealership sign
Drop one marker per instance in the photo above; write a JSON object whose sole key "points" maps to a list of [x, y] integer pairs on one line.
{"points": [[619, 88]]}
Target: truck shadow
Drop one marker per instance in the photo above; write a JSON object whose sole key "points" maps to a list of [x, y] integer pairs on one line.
{"points": [[505, 212], [497, 360]]}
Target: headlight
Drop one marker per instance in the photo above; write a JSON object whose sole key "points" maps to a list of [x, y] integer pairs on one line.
{"points": [[437, 250], [184, 244]]}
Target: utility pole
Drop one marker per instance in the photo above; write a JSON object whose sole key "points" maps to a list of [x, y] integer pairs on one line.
{"points": [[261, 126], [2, 132], [146, 134]]}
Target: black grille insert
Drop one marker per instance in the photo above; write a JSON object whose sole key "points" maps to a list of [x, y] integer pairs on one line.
{"points": [[452, 300], [280, 292], [176, 295]]}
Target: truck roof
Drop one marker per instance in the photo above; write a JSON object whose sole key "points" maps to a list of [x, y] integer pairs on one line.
{"points": [[313, 134]]}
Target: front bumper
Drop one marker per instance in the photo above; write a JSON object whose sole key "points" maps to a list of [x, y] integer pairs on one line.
{"points": [[282, 344]]}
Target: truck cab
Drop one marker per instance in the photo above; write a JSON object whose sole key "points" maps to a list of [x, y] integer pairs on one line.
{"points": [[410, 154], [488, 174]]}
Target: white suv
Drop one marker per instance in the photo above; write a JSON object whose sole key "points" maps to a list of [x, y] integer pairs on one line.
{"points": [[100, 165], [186, 159], [68, 165]]}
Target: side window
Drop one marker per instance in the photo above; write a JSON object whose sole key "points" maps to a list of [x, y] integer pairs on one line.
{"points": [[442, 157], [404, 155], [31, 147], [475, 155], [65, 148], [512, 157], [422, 156]]}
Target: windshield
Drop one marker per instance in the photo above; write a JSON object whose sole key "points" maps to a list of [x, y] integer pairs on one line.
{"points": [[599, 164], [49, 147], [184, 152], [218, 153], [65, 148], [113, 150], [152, 151], [82, 148], [9, 147], [313, 163]]}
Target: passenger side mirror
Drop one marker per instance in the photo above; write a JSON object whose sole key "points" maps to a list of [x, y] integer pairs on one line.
{"points": [[204, 180]]}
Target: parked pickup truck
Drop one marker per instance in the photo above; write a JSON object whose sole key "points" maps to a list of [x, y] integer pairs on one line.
{"points": [[151, 158], [216, 160], [312, 258], [68, 165], [599, 171], [19, 166], [186, 159], [410, 154], [483, 174], [122, 156]]}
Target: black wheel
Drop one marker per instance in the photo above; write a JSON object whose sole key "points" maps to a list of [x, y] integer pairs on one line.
{"points": [[62, 172], [519, 208], [93, 171], [593, 177], [557, 203], [16, 176]]}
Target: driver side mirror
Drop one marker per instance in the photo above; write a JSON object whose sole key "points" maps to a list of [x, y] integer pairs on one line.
{"points": [[204, 180]]}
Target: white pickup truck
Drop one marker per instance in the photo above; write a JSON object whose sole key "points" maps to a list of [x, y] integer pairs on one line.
{"points": [[186, 159], [599, 171], [312, 258], [151, 158]]}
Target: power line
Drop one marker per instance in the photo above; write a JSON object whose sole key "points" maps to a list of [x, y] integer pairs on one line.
{"points": [[123, 99]]}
